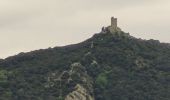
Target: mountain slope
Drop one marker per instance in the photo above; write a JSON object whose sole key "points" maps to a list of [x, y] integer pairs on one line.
{"points": [[105, 67]]}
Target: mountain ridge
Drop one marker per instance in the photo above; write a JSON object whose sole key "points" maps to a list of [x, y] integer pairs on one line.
{"points": [[105, 67]]}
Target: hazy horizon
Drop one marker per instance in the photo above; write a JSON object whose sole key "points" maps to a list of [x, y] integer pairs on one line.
{"points": [[27, 25]]}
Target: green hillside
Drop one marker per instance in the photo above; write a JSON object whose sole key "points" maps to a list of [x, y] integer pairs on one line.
{"points": [[110, 66]]}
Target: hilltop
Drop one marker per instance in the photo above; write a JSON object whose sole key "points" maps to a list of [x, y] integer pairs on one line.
{"points": [[105, 67], [110, 65]]}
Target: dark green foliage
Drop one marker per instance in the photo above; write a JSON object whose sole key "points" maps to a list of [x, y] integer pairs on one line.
{"points": [[121, 67], [102, 80]]}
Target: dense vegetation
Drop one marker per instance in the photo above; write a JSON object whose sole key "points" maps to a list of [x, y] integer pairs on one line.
{"points": [[116, 67]]}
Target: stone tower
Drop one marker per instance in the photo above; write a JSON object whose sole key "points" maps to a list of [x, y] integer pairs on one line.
{"points": [[114, 23], [113, 28]]}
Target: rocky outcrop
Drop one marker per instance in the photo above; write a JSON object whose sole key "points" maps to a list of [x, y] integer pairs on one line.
{"points": [[80, 93]]}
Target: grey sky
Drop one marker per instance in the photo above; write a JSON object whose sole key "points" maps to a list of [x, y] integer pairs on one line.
{"points": [[27, 25]]}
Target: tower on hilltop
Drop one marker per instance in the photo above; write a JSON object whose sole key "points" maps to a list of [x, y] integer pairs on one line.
{"points": [[114, 23], [112, 28]]}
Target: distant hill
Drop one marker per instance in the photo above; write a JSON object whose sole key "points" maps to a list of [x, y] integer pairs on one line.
{"points": [[109, 66]]}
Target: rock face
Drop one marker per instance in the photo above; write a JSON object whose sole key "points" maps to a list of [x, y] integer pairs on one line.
{"points": [[82, 90], [77, 77], [80, 93]]}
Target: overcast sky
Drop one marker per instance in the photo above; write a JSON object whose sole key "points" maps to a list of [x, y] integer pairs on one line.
{"points": [[27, 25]]}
